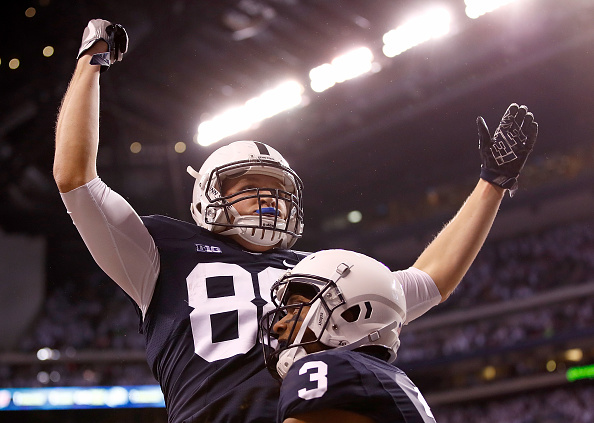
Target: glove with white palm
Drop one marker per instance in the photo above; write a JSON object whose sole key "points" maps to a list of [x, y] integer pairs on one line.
{"points": [[113, 34]]}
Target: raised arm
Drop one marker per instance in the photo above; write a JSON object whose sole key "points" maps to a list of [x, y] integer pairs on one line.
{"points": [[77, 129], [449, 256], [112, 231]]}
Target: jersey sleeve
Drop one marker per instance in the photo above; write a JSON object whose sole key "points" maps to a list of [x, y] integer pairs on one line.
{"points": [[420, 291], [116, 238]]}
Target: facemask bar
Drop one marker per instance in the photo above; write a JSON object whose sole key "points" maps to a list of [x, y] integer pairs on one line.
{"points": [[278, 195]]}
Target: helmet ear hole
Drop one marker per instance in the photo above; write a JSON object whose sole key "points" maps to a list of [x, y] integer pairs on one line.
{"points": [[351, 314]]}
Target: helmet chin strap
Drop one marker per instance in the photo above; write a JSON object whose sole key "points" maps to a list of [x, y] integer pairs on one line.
{"points": [[289, 356]]}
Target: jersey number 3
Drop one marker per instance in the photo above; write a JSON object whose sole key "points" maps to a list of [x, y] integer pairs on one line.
{"points": [[228, 304], [318, 373]]}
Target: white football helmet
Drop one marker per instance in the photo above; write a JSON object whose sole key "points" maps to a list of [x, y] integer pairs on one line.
{"points": [[356, 301], [215, 212]]}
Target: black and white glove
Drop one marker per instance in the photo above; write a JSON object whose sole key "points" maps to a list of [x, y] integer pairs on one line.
{"points": [[504, 155], [113, 34]]}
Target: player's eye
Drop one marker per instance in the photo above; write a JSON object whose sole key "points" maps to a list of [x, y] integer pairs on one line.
{"points": [[292, 309]]}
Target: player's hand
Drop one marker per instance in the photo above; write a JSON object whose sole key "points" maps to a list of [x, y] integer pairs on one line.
{"points": [[504, 155], [113, 34]]}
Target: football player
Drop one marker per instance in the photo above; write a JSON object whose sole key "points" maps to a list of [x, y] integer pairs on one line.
{"points": [[336, 329], [200, 288]]}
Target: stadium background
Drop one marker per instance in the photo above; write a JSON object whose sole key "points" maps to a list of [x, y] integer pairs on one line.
{"points": [[386, 159]]}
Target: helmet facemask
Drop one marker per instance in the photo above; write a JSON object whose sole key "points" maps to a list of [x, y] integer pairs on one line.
{"points": [[267, 227], [324, 297]]}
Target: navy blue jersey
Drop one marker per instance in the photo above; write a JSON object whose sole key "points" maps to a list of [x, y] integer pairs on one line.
{"points": [[355, 382], [202, 323]]}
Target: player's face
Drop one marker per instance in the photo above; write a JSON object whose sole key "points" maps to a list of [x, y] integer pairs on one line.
{"points": [[288, 327], [251, 206]]}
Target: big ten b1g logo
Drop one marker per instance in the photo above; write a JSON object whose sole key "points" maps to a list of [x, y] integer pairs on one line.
{"points": [[201, 248]]}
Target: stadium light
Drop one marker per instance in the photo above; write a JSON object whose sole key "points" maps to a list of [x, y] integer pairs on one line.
{"points": [[431, 24], [342, 68], [272, 102], [476, 8]]}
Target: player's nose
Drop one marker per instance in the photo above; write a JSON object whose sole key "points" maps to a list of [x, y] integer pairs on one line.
{"points": [[279, 327], [268, 198]]}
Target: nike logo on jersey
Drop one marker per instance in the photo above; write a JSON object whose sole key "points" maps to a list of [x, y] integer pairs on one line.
{"points": [[285, 263], [201, 248]]}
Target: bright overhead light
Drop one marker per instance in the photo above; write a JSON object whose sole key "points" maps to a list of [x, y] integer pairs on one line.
{"points": [[322, 77], [272, 102], [355, 216], [476, 8], [342, 68], [433, 23]]}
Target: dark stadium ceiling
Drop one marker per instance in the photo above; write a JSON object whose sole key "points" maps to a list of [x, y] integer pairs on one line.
{"points": [[366, 142]]}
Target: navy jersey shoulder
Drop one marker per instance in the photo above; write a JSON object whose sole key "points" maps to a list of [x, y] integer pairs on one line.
{"points": [[167, 231], [202, 323], [355, 382]]}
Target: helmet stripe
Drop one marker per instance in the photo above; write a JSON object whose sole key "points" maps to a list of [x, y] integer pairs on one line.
{"points": [[262, 148]]}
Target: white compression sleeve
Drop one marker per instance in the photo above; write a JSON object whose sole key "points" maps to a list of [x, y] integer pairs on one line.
{"points": [[420, 291], [116, 237]]}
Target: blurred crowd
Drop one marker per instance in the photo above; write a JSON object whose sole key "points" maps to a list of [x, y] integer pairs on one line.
{"points": [[528, 265], [563, 405], [564, 319], [85, 315], [507, 271]]}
